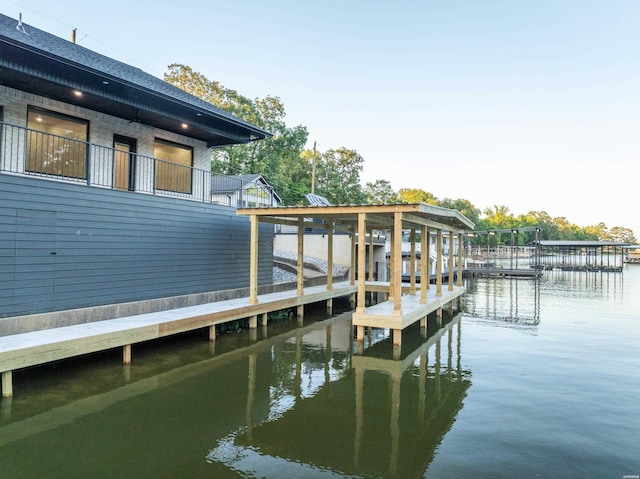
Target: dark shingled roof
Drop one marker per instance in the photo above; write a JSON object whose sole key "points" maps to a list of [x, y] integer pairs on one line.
{"points": [[30, 52]]}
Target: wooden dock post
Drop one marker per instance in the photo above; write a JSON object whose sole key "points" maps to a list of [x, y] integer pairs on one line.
{"points": [[396, 273], [460, 252], [253, 261], [300, 262], [362, 245], [265, 318], [397, 337], [7, 384], [412, 265], [126, 354], [360, 333], [450, 267], [330, 254], [424, 264], [253, 322], [439, 265], [212, 332], [330, 307]]}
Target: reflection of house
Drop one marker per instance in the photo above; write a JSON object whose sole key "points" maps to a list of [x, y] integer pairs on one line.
{"points": [[105, 182], [243, 191]]}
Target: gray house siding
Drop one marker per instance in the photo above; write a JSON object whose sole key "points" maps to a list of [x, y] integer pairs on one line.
{"points": [[66, 246]]}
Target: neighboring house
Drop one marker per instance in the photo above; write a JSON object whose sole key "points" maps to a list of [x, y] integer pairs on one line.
{"points": [[105, 183], [243, 191]]}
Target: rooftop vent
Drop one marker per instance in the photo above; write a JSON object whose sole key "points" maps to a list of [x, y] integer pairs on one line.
{"points": [[20, 26]]}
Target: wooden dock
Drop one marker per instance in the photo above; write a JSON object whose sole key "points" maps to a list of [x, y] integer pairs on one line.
{"points": [[502, 273], [382, 315], [39, 347]]}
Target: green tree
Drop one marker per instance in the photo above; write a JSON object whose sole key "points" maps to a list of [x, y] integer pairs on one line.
{"points": [[338, 176], [623, 235], [463, 206], [277, 159], [416, 195], [380, 192]]}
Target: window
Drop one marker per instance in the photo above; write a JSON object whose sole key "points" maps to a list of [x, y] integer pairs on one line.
{"points": [[173, 170], [56, 144]]}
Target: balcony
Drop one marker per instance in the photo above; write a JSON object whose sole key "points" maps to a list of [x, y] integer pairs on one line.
{"points": [[24, 151]]}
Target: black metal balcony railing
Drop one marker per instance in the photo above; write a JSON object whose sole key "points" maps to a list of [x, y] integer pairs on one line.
{"points": [[30, 152]]}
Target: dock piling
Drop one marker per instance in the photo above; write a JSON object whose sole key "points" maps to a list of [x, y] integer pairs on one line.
{"points": [[7, 384]]}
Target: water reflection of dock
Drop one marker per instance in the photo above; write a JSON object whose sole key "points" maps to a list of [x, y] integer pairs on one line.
{"points": [[508, 301], [269, 409], [389, 434]]}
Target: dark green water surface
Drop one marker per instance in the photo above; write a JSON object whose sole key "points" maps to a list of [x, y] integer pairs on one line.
{"points": [[532, 379]]}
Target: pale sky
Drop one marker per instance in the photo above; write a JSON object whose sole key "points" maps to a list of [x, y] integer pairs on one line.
{"points": [[531, 104]]}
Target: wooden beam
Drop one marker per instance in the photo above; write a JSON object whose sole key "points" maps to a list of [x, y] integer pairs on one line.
{"points": [[413, 219], [126, 354], [330, 253], [370, 254], [424, 263], [300, 276], [450, 267], [7, 384], [412, 266], [460, 259], [352, 272], [307, 224], [439, 265], [362, 261], [253, 261], [397, 264]]}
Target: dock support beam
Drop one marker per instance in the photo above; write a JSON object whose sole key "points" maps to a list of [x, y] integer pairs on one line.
{"points": [[300, 257], [253, 322], [450, 267], [425, 274], [412, 265], [396, 254], [360, 333], [265, 318], [330, 254], [253, 261], [212, 332], [362, 262], [460, 253], [126, 354], [397, 337], [7, 384], [439, 265]]}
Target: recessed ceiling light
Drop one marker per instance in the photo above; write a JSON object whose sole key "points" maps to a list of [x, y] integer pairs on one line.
{"points": [[198, 114], [105, 82], [184, 125], [77, 92]]}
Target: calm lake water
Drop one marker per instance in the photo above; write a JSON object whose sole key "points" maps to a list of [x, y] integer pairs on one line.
{"points": [[532, 379]]}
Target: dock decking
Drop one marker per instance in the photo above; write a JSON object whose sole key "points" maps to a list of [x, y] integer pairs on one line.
{"points": [[382, 315], [39, 347]]}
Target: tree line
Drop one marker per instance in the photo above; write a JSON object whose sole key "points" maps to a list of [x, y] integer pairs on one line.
{"points": [[293, 170]]}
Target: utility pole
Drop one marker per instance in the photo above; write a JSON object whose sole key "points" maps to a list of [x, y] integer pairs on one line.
{"points": [[313, 169]]}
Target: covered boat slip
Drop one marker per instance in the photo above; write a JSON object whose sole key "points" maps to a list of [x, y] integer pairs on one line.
{"points": [[418, 219]]}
